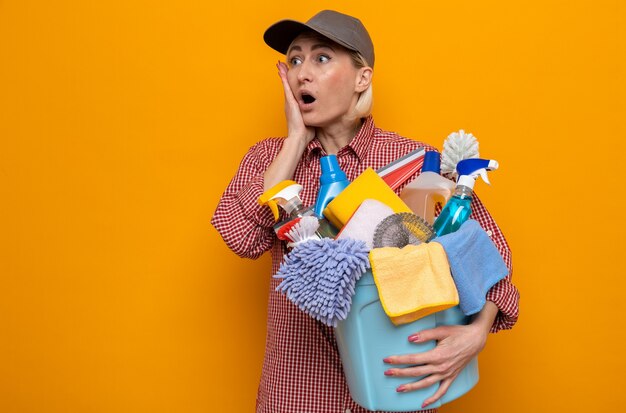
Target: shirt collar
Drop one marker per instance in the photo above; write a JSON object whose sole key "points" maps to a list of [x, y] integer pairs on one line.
{"points": [[360, 144]]}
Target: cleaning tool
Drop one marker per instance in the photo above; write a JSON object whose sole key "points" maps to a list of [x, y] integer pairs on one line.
{"points": [[458, 208], [304, 229], [475, 263], [427, 190], [413, 281], [332, 181], [319, 277], [457, 146], [363, 223], [368, 335], [286, 195], [397, 172], [368, 185], [286, 227], [401, 229]]}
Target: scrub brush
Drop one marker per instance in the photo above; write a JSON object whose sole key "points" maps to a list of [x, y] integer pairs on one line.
{"points": [[302, 230], [319, 276], [457, 146], [286, 227]]}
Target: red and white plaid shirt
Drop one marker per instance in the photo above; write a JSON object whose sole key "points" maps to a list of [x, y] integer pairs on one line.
{"points": [[302, 371]]}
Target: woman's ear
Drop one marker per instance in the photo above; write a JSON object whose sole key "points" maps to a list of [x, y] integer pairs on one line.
{"points": [[364, 78]]}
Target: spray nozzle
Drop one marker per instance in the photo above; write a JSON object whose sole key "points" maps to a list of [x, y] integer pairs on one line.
{"points": [[284, 194], [470, 169]]}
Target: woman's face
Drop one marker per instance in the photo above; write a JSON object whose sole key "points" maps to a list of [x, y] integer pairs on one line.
{"points": [[323, 79]]}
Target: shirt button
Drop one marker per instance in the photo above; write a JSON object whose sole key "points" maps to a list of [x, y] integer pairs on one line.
{"points": [[348, 411], [489, 232]]}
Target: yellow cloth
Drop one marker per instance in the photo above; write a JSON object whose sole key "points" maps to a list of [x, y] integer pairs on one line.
{"points": [[413, 281], [368, 185]]}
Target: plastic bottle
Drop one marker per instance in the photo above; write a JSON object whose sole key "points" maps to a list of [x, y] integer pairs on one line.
{"points": [[332, 181], [286, 194], [458, 208], [427, 190]]}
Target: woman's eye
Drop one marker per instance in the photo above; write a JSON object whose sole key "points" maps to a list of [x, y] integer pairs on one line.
{"points": [[294, 61], [323, 58]]}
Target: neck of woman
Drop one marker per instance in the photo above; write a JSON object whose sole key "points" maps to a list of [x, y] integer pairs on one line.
{"points": [[335, 137]]}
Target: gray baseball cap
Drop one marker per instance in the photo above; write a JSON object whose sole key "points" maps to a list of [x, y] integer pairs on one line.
{"points": [[338, 27]]}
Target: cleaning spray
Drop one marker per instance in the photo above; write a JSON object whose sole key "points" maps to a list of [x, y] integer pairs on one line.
{"points": [[286, 194], [332, 181], [458, 208], [427, 190]]}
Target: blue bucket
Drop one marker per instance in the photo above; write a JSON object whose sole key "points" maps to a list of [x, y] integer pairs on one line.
{"points": [[367, 336]]}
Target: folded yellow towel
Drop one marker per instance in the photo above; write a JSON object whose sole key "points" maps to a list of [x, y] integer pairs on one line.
{"points": [[413, 281]]}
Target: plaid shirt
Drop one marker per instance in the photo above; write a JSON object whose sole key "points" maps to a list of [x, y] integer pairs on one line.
{"points": [[302, 371]]}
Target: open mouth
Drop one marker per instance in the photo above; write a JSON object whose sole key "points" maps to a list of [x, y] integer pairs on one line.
{"points": [[306, 98]]}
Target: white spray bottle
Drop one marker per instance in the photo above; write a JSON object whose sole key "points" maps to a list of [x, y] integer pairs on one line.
{"points": [[285, 194]]}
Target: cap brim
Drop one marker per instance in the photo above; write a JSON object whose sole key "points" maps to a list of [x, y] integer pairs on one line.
{"points": [[280, 35]]}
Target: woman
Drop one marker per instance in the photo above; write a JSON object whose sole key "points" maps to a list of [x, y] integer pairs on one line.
{"points": [[327, 82]]}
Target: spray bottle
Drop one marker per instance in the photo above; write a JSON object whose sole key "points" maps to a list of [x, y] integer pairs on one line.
{"points": [[286, 194], [332, 181], [429, 189], [458, 209]]}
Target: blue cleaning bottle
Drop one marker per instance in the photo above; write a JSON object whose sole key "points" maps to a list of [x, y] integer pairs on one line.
{"points": [[458, 209], [332, 181]]}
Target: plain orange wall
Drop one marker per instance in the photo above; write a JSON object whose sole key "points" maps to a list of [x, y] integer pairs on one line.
{"points": [[121, 122]]}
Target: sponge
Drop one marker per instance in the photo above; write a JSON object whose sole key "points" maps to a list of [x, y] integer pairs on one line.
{"points": [[368, 185]]}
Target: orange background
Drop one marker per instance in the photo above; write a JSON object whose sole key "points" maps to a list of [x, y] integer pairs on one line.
{"points": [[121, 123]]}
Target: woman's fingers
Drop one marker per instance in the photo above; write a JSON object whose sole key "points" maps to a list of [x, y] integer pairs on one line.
{"points": [[437, 333], [295, 123], [291, 105], [410, 359], [421, 364], [443, 388], [411, 371], [456, 345], [282, 73], [427, 357], [425, 382]]}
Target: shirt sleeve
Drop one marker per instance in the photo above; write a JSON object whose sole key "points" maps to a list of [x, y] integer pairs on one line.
{"points": [[246, 226], [503, 294]]}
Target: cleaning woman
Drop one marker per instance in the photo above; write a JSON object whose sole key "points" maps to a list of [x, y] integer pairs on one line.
{"points": [[327, 82]]}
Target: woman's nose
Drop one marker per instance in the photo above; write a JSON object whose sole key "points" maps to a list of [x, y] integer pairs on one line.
{"points": [[304, 72]]}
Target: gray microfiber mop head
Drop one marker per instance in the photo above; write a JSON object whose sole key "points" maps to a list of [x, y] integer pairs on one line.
{"points": [[319, 276]]}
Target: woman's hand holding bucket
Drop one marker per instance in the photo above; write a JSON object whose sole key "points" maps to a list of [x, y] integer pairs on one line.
{"points": [[456, 346]]}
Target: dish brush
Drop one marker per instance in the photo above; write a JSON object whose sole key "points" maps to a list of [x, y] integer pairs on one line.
{"points": [[302, 230]]}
